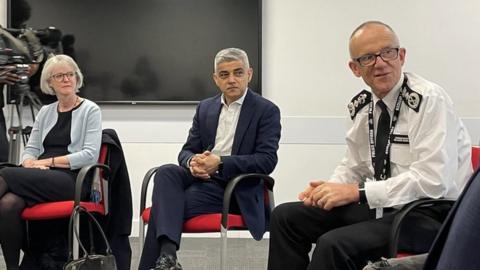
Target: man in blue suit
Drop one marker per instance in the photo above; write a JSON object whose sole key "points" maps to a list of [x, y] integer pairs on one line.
{"points": [[232, 133]]}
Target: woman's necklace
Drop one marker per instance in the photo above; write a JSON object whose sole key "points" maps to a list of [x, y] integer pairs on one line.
{"points": [[74, 104]]}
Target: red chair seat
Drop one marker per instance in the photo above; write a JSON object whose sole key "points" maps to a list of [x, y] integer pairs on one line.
{"points": [[54, 210], [211, 223], [205, 223], [401, 255]]}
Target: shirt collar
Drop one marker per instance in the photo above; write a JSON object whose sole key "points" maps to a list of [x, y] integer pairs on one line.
{"points": [[391, 98], [238, 101]]}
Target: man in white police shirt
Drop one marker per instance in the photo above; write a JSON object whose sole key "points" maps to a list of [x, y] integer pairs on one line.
{"points": [[405, 143]]}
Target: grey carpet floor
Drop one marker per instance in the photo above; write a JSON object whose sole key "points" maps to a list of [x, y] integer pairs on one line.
{"points": [[204, 253]]}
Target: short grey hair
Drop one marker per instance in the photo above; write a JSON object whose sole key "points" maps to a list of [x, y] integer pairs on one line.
{"points": [[368, 24], [229, 55], [53, 61]]}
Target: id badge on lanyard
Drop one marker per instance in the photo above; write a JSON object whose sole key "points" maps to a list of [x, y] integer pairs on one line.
{"points": [[396, 112]]}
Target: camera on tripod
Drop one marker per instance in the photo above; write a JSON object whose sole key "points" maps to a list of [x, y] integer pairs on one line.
{"points": [[21, 51], [19, 48]]}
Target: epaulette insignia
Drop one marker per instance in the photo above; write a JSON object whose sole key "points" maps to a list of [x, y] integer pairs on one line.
{"points": [[358, 102], [411, 98]]}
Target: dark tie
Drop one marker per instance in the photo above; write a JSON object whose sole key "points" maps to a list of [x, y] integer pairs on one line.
{"points": [[383, 130]]}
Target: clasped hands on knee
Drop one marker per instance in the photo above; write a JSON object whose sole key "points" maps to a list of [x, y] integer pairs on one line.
{"points": [[203, 165], [37, 164], [327, 195]]}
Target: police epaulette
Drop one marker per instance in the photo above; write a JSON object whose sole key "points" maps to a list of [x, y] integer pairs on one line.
{"points": [[411, 98], [358, 102]]}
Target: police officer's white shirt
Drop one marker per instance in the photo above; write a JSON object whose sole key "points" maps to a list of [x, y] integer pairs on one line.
{"points": [[390, 100], [436, 162], [227, 125]]}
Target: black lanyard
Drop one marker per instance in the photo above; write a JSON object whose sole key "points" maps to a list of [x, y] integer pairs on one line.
{"points": [[371, 136]]}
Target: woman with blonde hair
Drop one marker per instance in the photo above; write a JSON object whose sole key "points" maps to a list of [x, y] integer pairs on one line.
{"points": [[66, 136]]}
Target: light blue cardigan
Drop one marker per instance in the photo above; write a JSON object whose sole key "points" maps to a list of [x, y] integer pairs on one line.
{"points": [[86, 134]]}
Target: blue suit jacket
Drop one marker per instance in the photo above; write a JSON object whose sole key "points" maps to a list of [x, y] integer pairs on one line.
{"points": [[254, 150], [456, 245]]}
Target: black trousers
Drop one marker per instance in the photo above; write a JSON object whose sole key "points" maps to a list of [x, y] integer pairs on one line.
{"points": [[346, 237]]}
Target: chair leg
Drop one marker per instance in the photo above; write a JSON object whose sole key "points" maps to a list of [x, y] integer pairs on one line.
{"points": [[27, 234], [223, 254], [75, 247], [141, 235]]}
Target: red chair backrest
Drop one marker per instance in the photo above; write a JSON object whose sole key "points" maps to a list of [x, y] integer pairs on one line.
{"points": [[475, 157], [102, 159]]}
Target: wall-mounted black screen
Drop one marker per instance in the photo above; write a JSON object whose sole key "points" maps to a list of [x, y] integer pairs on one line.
{"points": [[135, 51]]}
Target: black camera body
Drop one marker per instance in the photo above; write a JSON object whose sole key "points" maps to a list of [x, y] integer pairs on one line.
{"points": [[14, 58], [22, 70], [21, 47]]}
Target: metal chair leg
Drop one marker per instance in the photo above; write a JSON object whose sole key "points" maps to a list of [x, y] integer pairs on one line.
{"points": [[223, 253], [141, 235], [27, 233], [75, 248]]}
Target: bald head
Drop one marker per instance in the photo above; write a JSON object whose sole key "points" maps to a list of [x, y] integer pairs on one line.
{"points": [[370, 40], [369, 31]]}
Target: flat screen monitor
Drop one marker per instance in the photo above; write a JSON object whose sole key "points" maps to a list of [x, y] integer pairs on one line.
{"points": [[147, 51]]}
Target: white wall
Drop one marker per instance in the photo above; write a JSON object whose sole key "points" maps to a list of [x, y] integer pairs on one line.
{"points": [[305, 49], [305, 72]]}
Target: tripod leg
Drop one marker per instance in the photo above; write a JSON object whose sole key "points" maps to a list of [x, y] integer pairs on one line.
{"points": [[14, 147], [31, 110], [3, 138], [20, 117], [15, 133], [34, 101], [18, 105]]}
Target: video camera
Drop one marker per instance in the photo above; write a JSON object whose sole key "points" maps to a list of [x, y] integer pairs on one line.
{"points": [[21, 47], [21, 52]]}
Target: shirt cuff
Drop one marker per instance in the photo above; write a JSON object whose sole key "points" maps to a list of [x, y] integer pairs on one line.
{"points": [[188, 161], [25, 157], [376, 192]]}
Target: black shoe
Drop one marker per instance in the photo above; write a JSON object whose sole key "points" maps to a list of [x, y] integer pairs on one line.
{"points": [[167, 262]]}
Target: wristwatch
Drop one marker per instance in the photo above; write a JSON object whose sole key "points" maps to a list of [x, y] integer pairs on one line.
{"points": [[361, 191]]}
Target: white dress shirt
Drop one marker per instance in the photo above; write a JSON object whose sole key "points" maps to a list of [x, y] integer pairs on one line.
{"points": [[436, 161], [227, 125]]}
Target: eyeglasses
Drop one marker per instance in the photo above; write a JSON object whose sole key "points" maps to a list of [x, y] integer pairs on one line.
{"points": [[387, 54], [59, 76]]}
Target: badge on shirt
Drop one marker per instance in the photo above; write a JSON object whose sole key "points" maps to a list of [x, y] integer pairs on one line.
{"points": [[400, 139], [411, 98], [358, 102]]}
